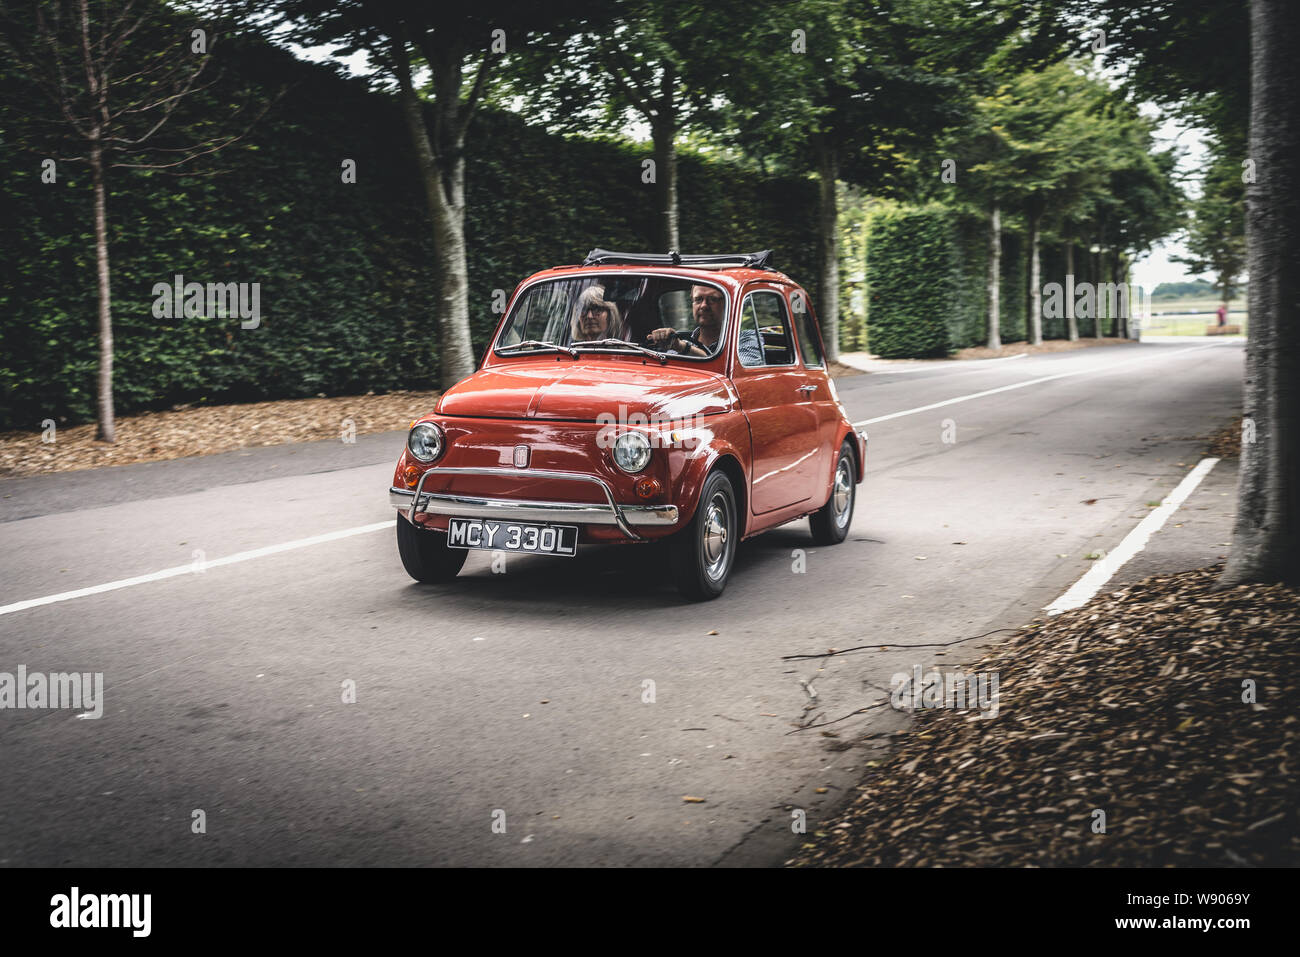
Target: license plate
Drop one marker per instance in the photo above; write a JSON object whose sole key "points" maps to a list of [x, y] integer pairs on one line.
{"points": [[512, 536]]}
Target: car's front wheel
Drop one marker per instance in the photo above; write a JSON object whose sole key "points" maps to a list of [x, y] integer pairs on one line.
{"points": [[425, 554], [701, 555], [830, 524]]}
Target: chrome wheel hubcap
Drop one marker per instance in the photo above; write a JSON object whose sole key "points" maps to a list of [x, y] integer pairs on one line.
{"points": [[715, 537], [843, 494]]}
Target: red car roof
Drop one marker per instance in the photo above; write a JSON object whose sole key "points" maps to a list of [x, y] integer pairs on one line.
{"points": [[738, 275]]}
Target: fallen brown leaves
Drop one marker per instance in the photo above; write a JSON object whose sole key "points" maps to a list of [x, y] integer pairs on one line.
{"points": [[1131, 705], [1049, 345], [202, 431], [1226, 443], [155, 436]]}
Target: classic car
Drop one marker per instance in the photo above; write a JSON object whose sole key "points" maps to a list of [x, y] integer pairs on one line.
{"points": [[635, 398]]}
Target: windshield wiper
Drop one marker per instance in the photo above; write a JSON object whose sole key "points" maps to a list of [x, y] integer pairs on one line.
{"points": [[624, 344], [537, 344]]}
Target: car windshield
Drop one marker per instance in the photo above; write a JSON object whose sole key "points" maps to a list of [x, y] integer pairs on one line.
{"points": [[664, 313]]}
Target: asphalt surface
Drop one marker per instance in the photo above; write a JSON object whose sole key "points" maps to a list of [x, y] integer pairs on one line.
{"points": [[522, 697]]}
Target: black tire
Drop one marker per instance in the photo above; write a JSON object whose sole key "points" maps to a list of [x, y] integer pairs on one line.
{"points": [[830, 524], [701, 555], [425, 554]]}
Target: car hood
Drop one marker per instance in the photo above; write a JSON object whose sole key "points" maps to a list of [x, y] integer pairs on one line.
{"points": [[586, 389]]}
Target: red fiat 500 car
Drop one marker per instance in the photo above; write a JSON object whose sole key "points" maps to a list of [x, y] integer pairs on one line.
{"points": [[635, 397]]}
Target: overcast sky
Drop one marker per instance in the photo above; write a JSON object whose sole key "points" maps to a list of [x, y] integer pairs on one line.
{"points": [[1156, 267]]}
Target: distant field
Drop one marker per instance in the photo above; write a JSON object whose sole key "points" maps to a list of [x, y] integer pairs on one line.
{"points": [[1187, 325], [1201, 303], [1189, 317]]}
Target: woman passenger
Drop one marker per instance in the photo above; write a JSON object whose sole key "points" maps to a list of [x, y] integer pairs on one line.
{"points": [[596, 318]]}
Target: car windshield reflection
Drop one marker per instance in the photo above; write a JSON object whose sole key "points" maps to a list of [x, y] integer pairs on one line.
{"points": [[663, 315]]}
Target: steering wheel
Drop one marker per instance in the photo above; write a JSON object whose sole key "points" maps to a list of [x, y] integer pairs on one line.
{"points": [[683, 337]]}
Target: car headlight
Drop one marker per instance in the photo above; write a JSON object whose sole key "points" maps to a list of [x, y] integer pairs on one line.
{"points": [[426, 441], [631, 451]]}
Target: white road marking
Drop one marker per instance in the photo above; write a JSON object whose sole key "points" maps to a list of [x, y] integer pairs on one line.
{"points": [[1109, 367], [1081, 592], [191, 568]]}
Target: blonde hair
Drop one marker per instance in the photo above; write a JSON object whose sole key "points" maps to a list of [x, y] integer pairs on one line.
{"points": [[595, 296]]}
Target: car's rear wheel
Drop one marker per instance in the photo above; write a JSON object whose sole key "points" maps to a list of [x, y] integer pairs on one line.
{"points": [[830, 524], [425, 554], [701, 555]]}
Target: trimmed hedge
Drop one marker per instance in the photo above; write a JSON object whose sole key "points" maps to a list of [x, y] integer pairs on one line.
{"points": [[914, 277], [967, 326], [346, 271], [927, 276], [1013, 325]]}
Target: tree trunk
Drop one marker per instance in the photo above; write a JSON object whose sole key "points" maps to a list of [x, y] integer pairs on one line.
{"points": [[1266, 540], [456, 348], [1071, 321], [444, 191], [1098, 303], [828, 212], [1132, 330], [1035, 280], [664, 135], [1121, 300], [995, 273], [107, 430]]}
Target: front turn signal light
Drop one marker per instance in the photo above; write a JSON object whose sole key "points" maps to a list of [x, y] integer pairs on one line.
{"points": [[410, 475], [647, 487]]}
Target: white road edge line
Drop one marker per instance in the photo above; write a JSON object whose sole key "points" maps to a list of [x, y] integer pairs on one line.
{"points": [[1029, 382], [1081, 592], [193, 567]]}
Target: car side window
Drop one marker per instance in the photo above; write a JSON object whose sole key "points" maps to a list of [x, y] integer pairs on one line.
{"points": [[749, 347], [810, 342], [773, 328]]}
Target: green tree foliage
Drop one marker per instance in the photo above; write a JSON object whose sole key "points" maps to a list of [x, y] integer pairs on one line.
{"points": [[848, 93], [1198, 288], [1075, 163], [653, 62], [1190, 56]]}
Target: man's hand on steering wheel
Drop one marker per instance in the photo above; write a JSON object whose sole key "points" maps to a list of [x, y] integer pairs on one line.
{"points": [[663, 337]]}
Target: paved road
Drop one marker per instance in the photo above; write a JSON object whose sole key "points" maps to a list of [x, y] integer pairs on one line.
{"points": [[523, 692]]}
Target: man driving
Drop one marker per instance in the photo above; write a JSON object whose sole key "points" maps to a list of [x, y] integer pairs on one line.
{"points": [[707, 306]]}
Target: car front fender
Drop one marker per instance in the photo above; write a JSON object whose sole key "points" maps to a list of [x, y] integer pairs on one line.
{"points": [[722, 442]]}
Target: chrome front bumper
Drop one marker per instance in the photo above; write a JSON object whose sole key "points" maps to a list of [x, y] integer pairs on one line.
{"points": [[579, 513]]}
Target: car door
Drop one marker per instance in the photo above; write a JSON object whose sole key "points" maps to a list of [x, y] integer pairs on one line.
{"points": [[772, 385], [819, 386]]}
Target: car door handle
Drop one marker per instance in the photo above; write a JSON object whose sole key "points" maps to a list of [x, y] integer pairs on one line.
{"points": [[806, 388]]}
